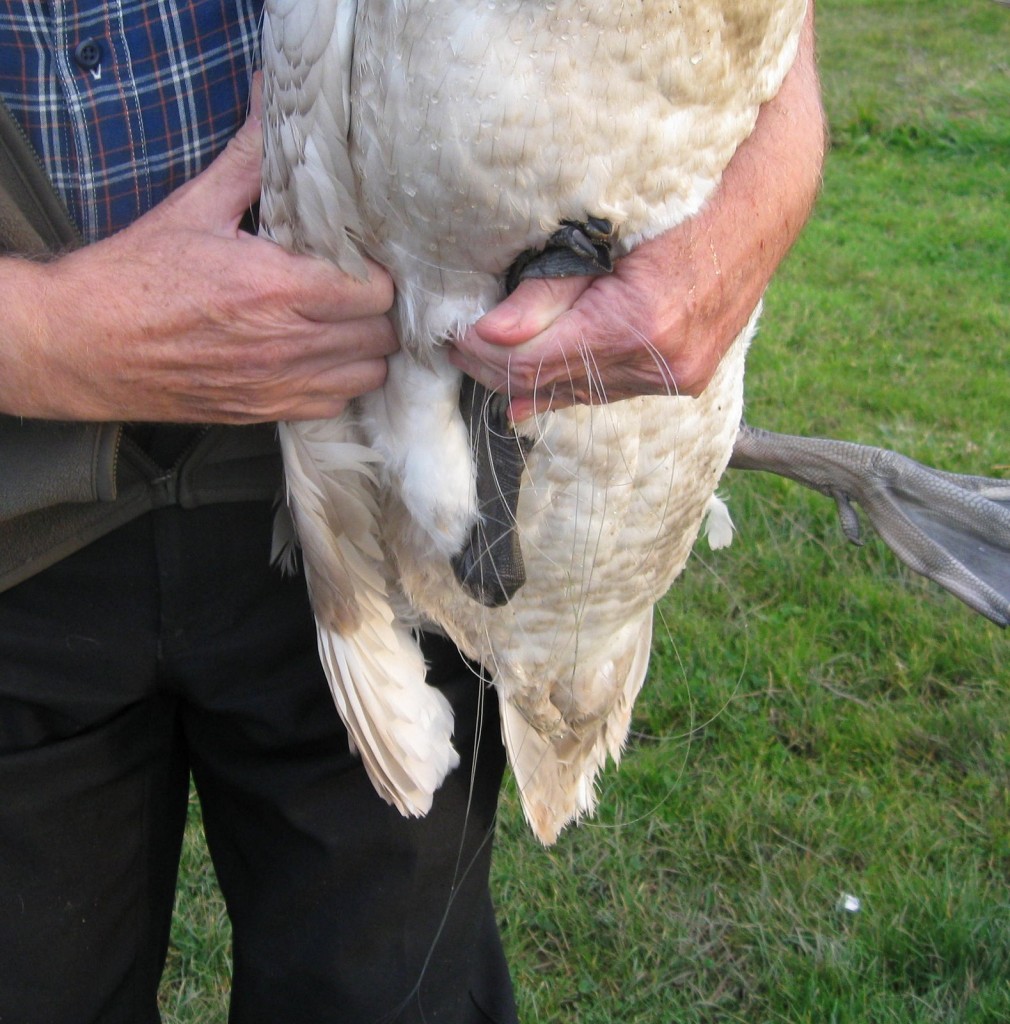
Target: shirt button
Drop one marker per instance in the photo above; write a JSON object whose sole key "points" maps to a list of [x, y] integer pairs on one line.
{"points": [[88, 54]]}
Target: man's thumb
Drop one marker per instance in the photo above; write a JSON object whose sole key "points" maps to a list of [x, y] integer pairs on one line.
{"points": [[220, 195], [529, 310]]}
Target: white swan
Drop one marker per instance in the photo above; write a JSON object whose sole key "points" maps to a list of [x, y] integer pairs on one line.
{"points": [[444, 138]]}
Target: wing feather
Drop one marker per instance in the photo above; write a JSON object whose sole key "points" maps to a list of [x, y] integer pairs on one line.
{"points": [[308, 202], [401, 727]]}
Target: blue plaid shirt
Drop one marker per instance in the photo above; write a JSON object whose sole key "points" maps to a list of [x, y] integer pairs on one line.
{"points": [[125, 100]]}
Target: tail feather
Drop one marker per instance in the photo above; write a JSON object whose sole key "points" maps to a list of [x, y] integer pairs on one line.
{"points": [[556, 773], [551, 790]]}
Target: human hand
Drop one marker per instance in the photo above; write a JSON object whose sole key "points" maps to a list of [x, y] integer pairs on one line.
{"points": [[182, 317], [672, 307], [658, 324]]}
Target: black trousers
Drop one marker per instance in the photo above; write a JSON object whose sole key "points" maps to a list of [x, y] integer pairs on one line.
{"points": [[171, 647]]}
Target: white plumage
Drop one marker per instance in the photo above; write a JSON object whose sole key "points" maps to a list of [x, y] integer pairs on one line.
{"points": [[442, 138]]}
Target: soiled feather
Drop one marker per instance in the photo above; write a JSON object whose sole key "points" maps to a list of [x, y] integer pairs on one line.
{"points": [[475, 129]]}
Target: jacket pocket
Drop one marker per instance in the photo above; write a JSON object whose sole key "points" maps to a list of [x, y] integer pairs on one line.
{"points": [[46, 462]]}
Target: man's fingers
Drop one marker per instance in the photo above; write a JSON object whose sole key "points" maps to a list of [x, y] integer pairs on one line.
{"points": [[311, 287], [343, 297], [318, 389], [331, 388], [367, 337]]}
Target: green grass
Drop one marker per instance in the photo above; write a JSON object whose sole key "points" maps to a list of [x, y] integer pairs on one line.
{"points": [[817, 721], [197, 975]]}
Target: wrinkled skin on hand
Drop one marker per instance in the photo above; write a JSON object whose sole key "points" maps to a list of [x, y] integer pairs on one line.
{"points": [[183, 317]]}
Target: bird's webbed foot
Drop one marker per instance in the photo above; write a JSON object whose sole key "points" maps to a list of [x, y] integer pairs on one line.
{"points": [[576, 249], [953, 529], [490, 567]]}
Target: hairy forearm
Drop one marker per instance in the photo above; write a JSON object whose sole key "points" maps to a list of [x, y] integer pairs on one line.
{"points": [[22, 288], [765, 196]]}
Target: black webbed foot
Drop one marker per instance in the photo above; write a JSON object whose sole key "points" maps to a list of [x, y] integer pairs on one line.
{"points": [[574, 250], [490, 567]]}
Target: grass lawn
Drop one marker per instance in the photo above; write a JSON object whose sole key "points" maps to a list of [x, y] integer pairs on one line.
{"points": [[817, 723]]}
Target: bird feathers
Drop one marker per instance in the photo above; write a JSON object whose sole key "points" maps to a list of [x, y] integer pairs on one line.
{"points": [[308, 203], [445, 137], [402, 728]]}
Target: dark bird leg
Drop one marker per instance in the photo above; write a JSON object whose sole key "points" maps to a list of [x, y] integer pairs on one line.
{"points": [[953, 529], [490, 567]]}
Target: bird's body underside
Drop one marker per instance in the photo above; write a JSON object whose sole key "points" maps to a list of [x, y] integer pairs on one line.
{"points": [[443, 138], [611, 503]]}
